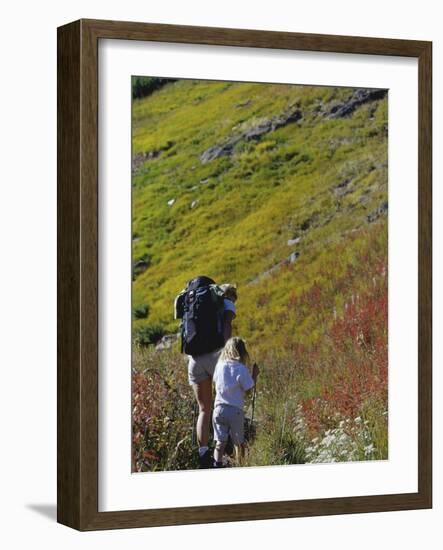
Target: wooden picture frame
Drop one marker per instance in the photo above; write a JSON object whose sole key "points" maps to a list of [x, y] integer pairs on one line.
{"points": [[77, 457]]}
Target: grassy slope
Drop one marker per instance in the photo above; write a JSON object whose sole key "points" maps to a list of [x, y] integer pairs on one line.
{"points": [[249, 205]]}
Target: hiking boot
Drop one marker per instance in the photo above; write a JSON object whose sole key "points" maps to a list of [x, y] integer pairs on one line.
{"points": [[205, 461]]}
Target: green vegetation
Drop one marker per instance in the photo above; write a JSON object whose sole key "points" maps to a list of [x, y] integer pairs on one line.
{"points": [[141, 311], [316, 323], [147, 334], [143, 86]]}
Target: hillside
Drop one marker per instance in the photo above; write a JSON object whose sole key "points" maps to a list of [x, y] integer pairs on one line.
{"points": [[308, 183], [282, 190]]}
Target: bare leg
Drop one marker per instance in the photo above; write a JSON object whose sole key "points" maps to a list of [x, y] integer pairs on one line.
{"points": [[240, 454], [203, 394], [219, 451]]}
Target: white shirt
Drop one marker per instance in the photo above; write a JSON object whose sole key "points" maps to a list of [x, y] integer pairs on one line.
{"points": [[232, 379]]}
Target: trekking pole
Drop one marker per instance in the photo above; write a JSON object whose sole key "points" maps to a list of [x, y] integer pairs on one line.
{"points": [[253, 404], [254, 393]]}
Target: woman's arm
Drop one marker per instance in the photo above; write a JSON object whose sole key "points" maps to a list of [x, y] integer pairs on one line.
{"points": [[228, 316]]}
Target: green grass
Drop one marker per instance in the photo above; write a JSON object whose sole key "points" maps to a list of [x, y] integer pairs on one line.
{"points": [[252, 202]]}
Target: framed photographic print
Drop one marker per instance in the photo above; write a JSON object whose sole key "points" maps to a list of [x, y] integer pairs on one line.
{"points": [[244, 274]]}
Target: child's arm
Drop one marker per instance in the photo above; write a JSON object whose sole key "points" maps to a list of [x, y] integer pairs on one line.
{"points": [[255, 373]]}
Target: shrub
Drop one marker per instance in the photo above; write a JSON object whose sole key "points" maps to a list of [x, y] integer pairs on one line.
{"points": [[141, 264], [143, 86], [292, 449], [350, 440], [141, 311], [148, 334], [162, 413]]}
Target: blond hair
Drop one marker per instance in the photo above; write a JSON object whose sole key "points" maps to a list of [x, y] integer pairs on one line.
{"points": [[235, 350], [229, 291]]}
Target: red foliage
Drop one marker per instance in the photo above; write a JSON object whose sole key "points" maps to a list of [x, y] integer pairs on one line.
{"points": [[162, 414], [357, 367], [148, 392], [363, 324]]}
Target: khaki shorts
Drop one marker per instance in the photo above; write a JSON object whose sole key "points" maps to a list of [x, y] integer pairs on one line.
{"points": [[228, 421], [202, 367]]}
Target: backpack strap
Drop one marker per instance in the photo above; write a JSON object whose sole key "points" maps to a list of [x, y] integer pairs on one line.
{"points": [[217, 295], [179, 305]]}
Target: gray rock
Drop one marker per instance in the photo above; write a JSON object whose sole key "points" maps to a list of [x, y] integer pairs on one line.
{"points": [[171, 202], [375, 214], [152, 155], [272, 124], [140, 158], [220, 150], [137, 162], [305, 225], [194, 204], [342, 188], [292, 257], [289, 260], [167, 341], [257, 131], [358, 98], [226, 148], [243, 104], [140, 266], [291, 242]]}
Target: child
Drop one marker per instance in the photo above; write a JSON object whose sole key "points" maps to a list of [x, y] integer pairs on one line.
{"points": [[230, 292], [232, 380]]}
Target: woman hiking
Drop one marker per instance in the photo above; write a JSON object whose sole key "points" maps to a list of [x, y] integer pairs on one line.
{"points": [[207, 311]]}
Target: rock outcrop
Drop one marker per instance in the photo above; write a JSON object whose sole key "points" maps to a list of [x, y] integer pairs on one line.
{"points": [[226, 148], [140, 158], [382, 209], [288, 260], [358, 98], [167, 341]]}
